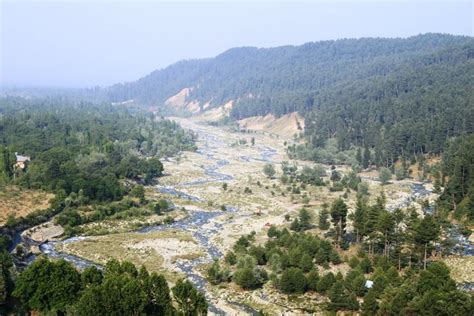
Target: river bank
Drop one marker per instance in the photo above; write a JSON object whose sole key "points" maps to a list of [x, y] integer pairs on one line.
{"points": [[214, 217]]}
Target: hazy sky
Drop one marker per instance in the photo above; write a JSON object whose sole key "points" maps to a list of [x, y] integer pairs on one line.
{"points": [[88, 43]]}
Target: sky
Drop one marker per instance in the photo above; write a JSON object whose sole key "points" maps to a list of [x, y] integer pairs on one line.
{"points": [[98, 43]]}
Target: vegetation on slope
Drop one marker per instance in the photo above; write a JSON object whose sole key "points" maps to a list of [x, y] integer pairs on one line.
{"points": [[398, 97], [84, 153]]}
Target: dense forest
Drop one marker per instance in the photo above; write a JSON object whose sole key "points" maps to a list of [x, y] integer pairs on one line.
{"points": [[388, 103], [83, 153], [457, 177], [398, 97], [83, 147], [94, 157]]}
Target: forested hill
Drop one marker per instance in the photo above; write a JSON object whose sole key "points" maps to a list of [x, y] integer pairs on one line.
{"points": [[284, 79], [399, 97]]}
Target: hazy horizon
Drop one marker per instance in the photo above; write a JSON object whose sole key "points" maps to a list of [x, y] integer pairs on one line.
{"points": [[100, 43]]}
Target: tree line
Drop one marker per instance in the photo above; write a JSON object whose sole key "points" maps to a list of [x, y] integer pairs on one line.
{"points": [[397, 97], [83, 153], [81, 147], [118, 289]]}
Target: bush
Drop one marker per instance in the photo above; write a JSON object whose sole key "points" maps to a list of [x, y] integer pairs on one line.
{"points": [[230, 258], [269, 170], [245, 278], [385, 175], [217, 275]]}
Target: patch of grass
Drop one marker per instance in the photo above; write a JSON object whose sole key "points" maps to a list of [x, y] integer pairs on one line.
{"points": [[120, 246]]}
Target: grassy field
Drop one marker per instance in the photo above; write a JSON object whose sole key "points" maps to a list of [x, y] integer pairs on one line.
{"points": [[157, 251]]}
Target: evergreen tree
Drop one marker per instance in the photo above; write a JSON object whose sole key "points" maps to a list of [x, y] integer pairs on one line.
{"points": [[386, 225], [323, 218], [338, 215], [359, 218], [245, 277], [312, 280], [352, 303], [426, 231], [325, 282], [292, 281], [337, 297], [304, 219], [359, 156], [370, 305], [358, 285], [91, 276], [190, 300], [366, 158], [385, 175], [306, 263], [48, 286], [269, 170]]}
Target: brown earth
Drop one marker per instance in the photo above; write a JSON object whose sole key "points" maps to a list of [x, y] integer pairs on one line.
{"points": [[21, 202], [288, 125]]}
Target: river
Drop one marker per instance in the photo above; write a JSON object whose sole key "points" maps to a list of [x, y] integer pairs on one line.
{"points": [[207, 146]]}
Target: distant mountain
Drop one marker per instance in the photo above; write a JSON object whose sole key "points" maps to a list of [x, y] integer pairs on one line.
{"points": [[401, 96]]}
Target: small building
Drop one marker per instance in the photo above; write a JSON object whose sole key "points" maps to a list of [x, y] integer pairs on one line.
{"points": [[21, 161], [369, 284]]}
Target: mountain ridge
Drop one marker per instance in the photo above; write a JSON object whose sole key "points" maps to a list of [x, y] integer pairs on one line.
{"points": [[239, 71]]}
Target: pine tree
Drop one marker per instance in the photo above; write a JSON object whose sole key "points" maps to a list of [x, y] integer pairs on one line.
{"points": [[366, 158], [352, 303], [189, 299], [337, 297], [306, 263], [358, 219], [385, 225], [323, 218], [370, 305], [292, 281], [305, 218], [359, 156], [338, 215], [358, 285], [426, 231], [325, 282], [312, 280]]}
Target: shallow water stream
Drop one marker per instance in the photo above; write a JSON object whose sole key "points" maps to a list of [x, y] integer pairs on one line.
{"points": [[193, 223], [198, 219]]}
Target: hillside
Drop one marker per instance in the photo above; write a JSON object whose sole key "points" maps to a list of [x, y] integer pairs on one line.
{"points": [[267, 80], [399, 97]]}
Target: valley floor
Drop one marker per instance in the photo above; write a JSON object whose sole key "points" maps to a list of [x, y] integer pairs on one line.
{"points": [[210, 218]]}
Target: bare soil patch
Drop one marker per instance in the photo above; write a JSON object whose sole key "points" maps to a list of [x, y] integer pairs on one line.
{"points": [[21, 202]]}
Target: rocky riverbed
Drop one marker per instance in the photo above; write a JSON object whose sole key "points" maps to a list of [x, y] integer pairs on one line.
{"points": [[213, 217]]}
